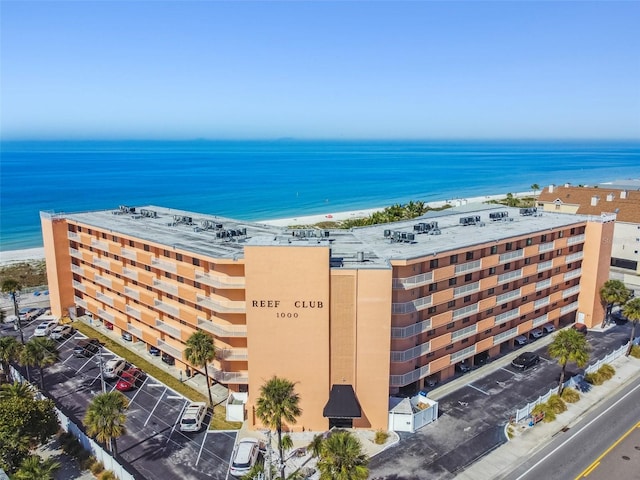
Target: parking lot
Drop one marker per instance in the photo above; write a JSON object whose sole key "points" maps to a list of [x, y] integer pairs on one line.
{"points": [[154, 446], [472, 418]]}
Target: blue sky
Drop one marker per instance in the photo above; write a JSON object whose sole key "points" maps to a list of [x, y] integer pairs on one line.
{"points": [[227, 70]]}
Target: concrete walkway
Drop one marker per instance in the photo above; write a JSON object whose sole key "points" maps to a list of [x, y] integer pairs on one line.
{"points": [[527, 440]]}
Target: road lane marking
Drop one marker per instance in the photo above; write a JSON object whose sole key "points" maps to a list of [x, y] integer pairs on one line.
{"points": [[154, 407], [543, 459], [597, 460], [202, 446], [480, 390]]}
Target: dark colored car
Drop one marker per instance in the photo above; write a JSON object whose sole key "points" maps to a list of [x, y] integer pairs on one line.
{"points": [[87, 347], [525, 360], [130, 379], [580, 327], [168, 359], [463, 367], [155, 351]]}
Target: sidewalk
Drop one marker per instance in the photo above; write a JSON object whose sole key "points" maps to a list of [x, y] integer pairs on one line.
{"points": [[527, 440]]}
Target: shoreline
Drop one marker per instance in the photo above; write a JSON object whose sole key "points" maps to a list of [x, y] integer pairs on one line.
{"points": [[36, 254]]}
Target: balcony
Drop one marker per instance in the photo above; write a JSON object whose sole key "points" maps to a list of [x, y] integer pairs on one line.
{"points": [[413, 306], [101, 263], [166, 308], [165, 347], [468, 267], [543, 284], [104, 298], [464, 333], [541, 320], [102, 281], [569, 308], [231, 354], [545, 247], [99, 244], [166, 328], [411, 330], [505, 257], [130, 254], [106, 315], [131, 293], [73, 236], [575, 240], [78, 270], [220, 281], [545, 266], [165, 286], [507, 277], [75, 253], [133, 312], [543, 302], [80, 302], [221, 306], [222, 330], [228, 377], [572, 274], [505, 297], [410, 354], [79, 286], [135, 331], [164, 265], [465, 311], [504, 336], [571, 291], [407, 378], [574, 257], [463, 354], [466, 289], [131, 274], [506, 316]]}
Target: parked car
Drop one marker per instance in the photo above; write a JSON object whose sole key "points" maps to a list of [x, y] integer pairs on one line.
{"points": [[580, 327], [193, 416], [113, 368], [87, 347], [62, 331], [29, 313], [521, 340], [548, 328], [525, 360], [127, 337], [44, 329], [130, 379], [155, 351], [245, 455], [535, 333], [108, 325], [463, 367], [168, 359]]}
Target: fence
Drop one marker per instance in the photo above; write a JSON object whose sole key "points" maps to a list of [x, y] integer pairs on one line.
{"points": [[525, 411], [87, 443]]}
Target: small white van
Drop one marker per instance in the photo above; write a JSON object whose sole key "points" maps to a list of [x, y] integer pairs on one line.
{"points": [[193, 416]]}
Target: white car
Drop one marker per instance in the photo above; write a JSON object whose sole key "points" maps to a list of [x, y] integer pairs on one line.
{"points": [[61, 331], [44, 329], [193, 416], [245, 455], [113, 368], [548, 328], [536, 333]]}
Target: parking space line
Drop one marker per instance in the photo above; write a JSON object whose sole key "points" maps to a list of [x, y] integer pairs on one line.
{"points": [[175, 424], [84, 364], [202, 446], [476, 388], [155, 406], [138, 391], [507, 370]]}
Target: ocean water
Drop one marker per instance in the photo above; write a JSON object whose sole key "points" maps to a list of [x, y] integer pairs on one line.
{"points": [[260, 180]]}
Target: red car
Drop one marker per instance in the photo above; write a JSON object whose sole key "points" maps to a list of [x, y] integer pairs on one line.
{"points": [[130, 379]]}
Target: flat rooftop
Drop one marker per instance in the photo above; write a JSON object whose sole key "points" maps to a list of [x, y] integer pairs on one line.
{"points": [[364, 247]]}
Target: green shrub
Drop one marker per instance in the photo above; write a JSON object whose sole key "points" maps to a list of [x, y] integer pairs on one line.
{"points": [[570, 395], [381, 437], [594, 378], [556, 404], [88, 462], [510, 432], [549, 414], [97, 468], [635, 351], [108, 475], [607, 371]]}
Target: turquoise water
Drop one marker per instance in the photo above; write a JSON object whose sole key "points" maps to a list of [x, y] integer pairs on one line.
{"points": [[266, 180]]}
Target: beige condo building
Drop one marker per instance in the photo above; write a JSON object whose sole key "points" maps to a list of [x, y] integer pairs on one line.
{"points": [[351, 316]]}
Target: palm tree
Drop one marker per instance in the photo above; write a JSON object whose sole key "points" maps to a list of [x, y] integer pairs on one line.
{"points": [[613, 292], [199, 352], [535, 187], [16, 390], [569, 346], [40, 352], [105, 418], [632, 311], [277, 402], [12, 288], [341, 458], [35, 468], [9, 352]]}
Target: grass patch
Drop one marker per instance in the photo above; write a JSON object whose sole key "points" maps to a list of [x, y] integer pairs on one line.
{"points": [[556, 404], [607, 371], [381, 437], [27, 274], [570, 395], [635, 351], [218, 421]]}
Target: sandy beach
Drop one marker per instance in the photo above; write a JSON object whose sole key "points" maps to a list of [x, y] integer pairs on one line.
{"points": [[36, 254]]}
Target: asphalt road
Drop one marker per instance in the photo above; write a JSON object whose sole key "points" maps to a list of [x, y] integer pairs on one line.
{"points": [[471, 419], [153, 446], [589, 449]]}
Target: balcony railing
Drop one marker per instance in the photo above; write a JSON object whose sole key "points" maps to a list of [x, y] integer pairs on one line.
{"points": [[413, 306], [130, 254], [411, 353], [462, 354], [104, 299], [99, 244], [545, 247], [101, 263], [545, 265], [220, 281], [465, 311], [543, 302], [226, 306], [165, 287], [464, 332], [164, 265], [102, 281], [569, 308], [229, 377], [166, 328], [233, 354], [543, 284], [133, 312], [73, 236], [504, 336], [505, 257], [222, 330], [541, 320], [468, 267], [75, 253], [577, 239], [571, 291], [411, 330], [165, 307], [106, 315], [572, 274], [506, 316], [505, 297], [135, 331], [131, 293], [77, 269], [507, 277], [466, 289], [80, 302], [132, 274], [79, 286], [407, 378], [574, 257], [171, 350]]}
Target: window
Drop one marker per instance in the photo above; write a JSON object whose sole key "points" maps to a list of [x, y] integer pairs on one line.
{"points": [[167, 274], [504, 306], [543, 238], [561, 234], [467, 277], [147, 268], [538, 293], [505, 286], [541, 257], [524, 299], [490, 311], [451, 303], [131, 244], [451, 325], [572, 231], [166, 253], [525, 280], [469, 255], [487, 332], [434, 263], [509, 246], [527, 261], [196, 261], [491, 290], [492, 270], [453, 259], [114, 238], [433, 287], [103, 235], [465, 340], [449, 347], [466, 320], [570, 264], [507, 266], [467, 299], [179, 257], [196, 284], [556, 270], [529, 241], [494, 250], [431, 310], [452, 281], [540, 274], [559, 252], [180, 279]]}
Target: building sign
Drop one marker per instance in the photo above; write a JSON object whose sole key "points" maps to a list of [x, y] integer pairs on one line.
{"points": [[287, 309]]}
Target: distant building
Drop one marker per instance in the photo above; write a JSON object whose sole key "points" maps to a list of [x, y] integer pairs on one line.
{"points": [[351, 316], [621, 199]]}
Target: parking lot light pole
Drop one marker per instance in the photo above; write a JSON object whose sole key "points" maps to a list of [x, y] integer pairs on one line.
{"points": [[104, 387], [15, 297]]}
